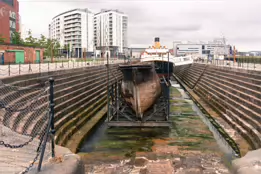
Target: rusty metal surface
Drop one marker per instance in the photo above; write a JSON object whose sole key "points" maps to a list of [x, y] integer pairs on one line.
{"points": [[139, 124], [140, 86]]}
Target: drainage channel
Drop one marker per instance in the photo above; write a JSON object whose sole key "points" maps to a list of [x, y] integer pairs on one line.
{"points": [[192, 140]]}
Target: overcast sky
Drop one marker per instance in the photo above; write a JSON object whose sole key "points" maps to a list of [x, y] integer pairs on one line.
{"points": [[196, 20]]}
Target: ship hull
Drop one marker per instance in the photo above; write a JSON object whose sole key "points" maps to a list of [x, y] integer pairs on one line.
{"points": [[140, 86]]}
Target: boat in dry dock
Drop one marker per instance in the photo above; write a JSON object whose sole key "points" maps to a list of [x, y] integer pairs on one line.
{"points": [[140, 86], [159, 55]]}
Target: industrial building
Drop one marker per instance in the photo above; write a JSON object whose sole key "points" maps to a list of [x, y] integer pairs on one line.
{"points": [[9, 19], [135, 51], [216, 47], [10, 53], [110, 32], [74, 28]]}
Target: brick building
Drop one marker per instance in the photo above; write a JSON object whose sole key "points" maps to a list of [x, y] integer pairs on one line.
{"points": [[9, 18], [20, 54]]}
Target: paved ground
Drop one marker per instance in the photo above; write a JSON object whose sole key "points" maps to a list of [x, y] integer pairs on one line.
{"points": [[222, 63], [14, 161], [14, 70]]}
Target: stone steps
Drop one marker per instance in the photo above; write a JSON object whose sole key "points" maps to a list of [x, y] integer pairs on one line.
{"points": [[88, 90], [230, 105], [237, 118], [73, 89], [66, 116], [241, 72], [237, 85], [237, 80], [78, 138], [191, 75], [252, 102], [59, 79], [79, 121], [219, 108], [63, 106], [24, 123], [235, 99], [93, 104], [234, 94]]}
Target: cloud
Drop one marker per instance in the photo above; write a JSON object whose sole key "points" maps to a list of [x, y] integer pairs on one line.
{"points": [[237, 20]]}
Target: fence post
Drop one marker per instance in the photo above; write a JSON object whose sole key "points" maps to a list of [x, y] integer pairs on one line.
{"points": [[39, 66], [9, 71], [51, 80], [254, 61], [19, 68], [247, 62], [50, 125], [48, 66], [30, 68]]}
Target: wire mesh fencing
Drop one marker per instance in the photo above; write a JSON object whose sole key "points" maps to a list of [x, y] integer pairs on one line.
{"points": [[24, 117]]}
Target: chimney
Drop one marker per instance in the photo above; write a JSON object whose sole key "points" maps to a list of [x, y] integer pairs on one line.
{"points": [[157, 42]]}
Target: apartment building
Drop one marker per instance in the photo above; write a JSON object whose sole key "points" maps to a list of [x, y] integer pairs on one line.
{"points": [[74, 28], [111, 32]]}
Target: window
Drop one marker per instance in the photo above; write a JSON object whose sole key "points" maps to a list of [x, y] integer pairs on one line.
{"points": [[9, 2], [12, 24], [12, 15]]}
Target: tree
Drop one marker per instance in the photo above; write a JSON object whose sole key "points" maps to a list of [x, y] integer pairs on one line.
{"points": [[42, 42], [16, 38], [30, 40], [2, 39]]}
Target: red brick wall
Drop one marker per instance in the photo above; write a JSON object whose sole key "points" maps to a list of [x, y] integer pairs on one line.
{"points": [[4, 19], [29, 53]]}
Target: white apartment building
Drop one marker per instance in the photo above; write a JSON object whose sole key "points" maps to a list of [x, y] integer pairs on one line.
{"points": [[74, 28], [215, 47], [110, 32]]}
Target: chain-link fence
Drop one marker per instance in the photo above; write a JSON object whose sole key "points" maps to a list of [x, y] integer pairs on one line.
{"points": [[240, 63], [24, 118], [14, 69]]}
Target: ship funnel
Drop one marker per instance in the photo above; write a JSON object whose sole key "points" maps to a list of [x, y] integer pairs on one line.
{"points": [[157, 42]]}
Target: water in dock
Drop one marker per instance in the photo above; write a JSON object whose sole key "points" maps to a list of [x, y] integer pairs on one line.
{"points": [[192, 142]]}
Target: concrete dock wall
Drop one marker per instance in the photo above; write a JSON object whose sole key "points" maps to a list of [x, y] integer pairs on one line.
{"points": [[80, 102], [78, 93], [235, 94]]}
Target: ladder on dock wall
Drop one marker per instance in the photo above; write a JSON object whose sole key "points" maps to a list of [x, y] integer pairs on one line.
{"points": [[199, 78]]}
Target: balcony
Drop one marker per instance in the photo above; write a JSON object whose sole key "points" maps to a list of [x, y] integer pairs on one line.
{"points": [[75, 16], [72, 21], [73, 25], [73, 29]]}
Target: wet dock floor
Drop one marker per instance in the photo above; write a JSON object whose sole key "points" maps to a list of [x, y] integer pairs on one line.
{"points": [[190, 145]]}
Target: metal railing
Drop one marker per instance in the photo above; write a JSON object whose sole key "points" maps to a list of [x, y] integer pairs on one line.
{"points": [[26, 123], [12, 69], [242, 63]]}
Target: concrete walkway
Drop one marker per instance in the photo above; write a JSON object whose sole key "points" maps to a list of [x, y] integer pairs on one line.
{"points": [[16, 69], [249, 164], [15, 161], [231, 64]]}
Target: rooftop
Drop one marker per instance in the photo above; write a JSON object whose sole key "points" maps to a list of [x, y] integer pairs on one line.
{"points": [[109, 10], [138, 46], [77, 9]]}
